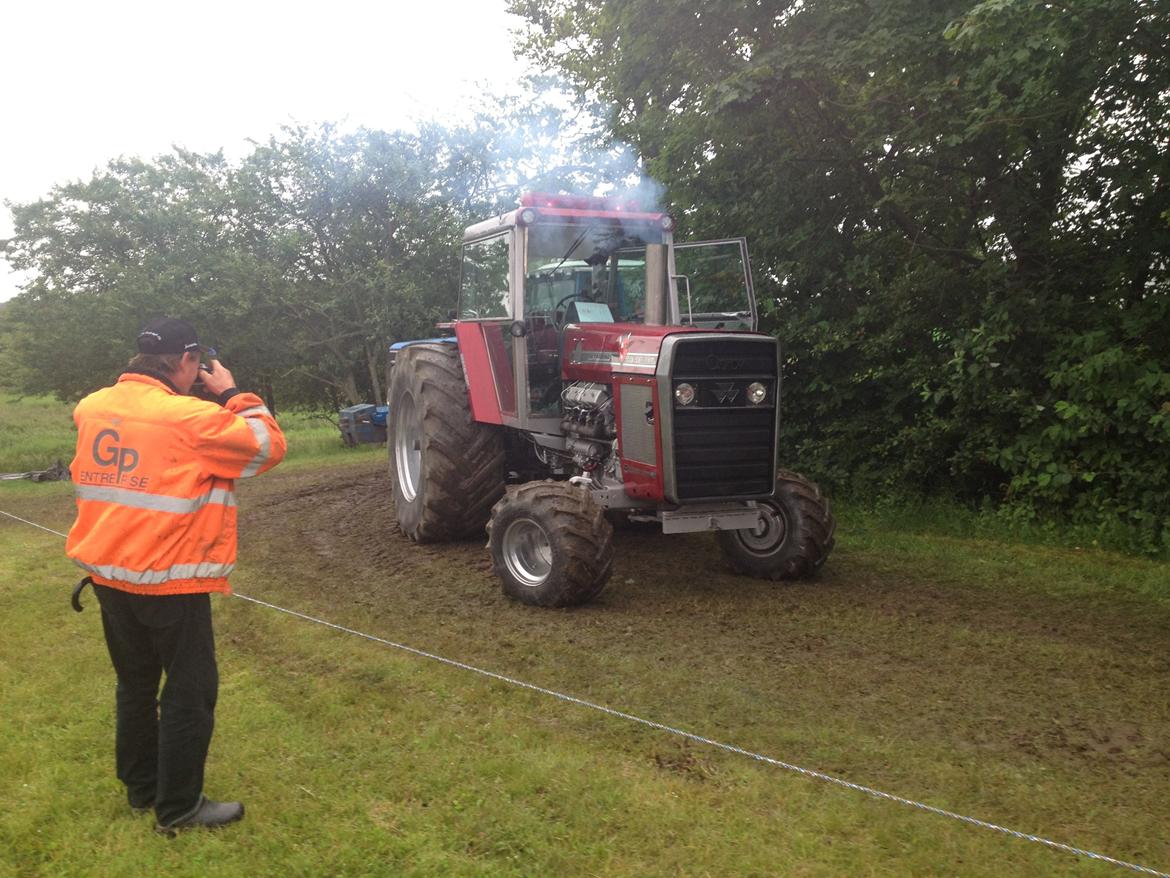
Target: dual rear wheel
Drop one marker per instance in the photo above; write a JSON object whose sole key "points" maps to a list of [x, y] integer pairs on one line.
{"points": [[447, 469]]}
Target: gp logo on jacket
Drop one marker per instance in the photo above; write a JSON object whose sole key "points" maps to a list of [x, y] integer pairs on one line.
{"points": [[155, 479]]}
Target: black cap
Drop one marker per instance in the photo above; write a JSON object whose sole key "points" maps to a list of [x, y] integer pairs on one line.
{"points": [[168, 335]]}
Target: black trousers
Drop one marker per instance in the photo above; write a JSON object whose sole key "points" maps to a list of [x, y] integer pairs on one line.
{"points": [[161, 741]]}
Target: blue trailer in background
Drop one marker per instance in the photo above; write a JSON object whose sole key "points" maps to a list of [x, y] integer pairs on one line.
{"points": [[366, 423]]}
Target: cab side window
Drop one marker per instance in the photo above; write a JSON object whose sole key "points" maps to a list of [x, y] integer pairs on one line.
{"points": [[484, 289]]}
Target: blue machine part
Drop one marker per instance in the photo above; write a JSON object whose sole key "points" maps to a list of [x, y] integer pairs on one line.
{"points": [[359, 424], [399, 345]]}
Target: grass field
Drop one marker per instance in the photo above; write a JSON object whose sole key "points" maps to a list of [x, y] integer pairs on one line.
{"points": [[1022, 684], [35, 432]]}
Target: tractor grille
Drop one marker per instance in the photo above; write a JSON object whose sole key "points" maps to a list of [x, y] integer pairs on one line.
{"points": [[724, 447]]}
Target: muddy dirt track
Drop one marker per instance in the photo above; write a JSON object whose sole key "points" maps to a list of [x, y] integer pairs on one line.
{"points": [[875, 658]]}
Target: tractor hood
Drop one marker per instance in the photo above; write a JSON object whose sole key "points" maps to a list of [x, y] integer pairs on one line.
{"points": [[598, 351]]}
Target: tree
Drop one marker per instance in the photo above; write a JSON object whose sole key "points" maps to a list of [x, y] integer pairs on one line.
{"points": [[359, 245], [300, 264], [137, 240], [953, 209]]}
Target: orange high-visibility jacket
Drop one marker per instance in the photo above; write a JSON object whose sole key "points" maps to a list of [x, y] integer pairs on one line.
{"points": [[154, 475]]}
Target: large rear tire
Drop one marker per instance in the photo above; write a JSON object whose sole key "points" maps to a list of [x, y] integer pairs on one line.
{"points": [[794, 537], [551, 544], [447, 470]]}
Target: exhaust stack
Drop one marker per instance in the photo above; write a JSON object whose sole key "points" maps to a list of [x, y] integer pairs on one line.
{"points": [[656, 298]]}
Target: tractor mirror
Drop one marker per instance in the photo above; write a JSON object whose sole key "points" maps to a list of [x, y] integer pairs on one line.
{"points": [[518, 329]]}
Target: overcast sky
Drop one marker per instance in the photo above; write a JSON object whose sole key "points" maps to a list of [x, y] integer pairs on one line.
{"points": [[86, 82]]}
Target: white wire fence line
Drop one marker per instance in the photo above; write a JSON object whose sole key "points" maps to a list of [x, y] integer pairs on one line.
{"points": [[691, 736]]}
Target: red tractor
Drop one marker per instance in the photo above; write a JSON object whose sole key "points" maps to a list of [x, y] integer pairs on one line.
{"points": [[597, 370]]}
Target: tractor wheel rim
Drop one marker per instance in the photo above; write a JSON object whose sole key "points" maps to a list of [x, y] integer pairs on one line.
{"points": [[407, 448], [527, 552], [769, 535]]}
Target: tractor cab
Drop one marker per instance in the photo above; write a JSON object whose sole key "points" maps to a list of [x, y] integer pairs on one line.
{"points": [[560, 261]]}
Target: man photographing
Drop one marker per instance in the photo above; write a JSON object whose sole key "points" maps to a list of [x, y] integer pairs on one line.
{"points": [[155, 473]]}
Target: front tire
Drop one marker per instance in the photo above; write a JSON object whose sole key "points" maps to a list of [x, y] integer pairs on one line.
{"points": [[551, 544], [447, 469], [794, 537]]}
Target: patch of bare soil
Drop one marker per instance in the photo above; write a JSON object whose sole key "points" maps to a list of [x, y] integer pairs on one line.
{"points": [[985, 674]]}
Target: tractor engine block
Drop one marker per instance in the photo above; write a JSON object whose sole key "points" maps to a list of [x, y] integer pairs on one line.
{"points": [[588, 422]]}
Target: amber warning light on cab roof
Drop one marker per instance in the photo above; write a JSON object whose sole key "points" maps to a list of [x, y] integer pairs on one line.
{"points": [[532, 204]]}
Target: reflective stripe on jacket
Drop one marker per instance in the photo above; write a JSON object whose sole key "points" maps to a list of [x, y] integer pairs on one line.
{"points": [[155, 477]]}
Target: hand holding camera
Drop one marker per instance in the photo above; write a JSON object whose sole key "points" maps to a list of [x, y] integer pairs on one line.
{"points": [[213, 378], [216, 378]]}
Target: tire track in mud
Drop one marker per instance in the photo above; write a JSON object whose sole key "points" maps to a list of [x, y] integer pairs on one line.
{"points": [[976, 669]]}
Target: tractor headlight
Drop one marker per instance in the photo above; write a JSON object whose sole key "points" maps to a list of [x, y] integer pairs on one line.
{"points": [[757, 393], [684, 394]]}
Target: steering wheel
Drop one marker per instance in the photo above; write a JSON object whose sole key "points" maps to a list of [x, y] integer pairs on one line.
{"points": [[584, 297]]}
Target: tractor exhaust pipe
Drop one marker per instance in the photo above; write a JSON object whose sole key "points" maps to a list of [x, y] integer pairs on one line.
{"points": [[656, 297]]}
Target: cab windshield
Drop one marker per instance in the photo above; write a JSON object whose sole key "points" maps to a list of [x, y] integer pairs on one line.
{"points": [[587, 273]]}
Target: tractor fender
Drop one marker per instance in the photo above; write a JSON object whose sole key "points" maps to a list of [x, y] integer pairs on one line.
{"points": [[477, 361], [392, 351]]}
